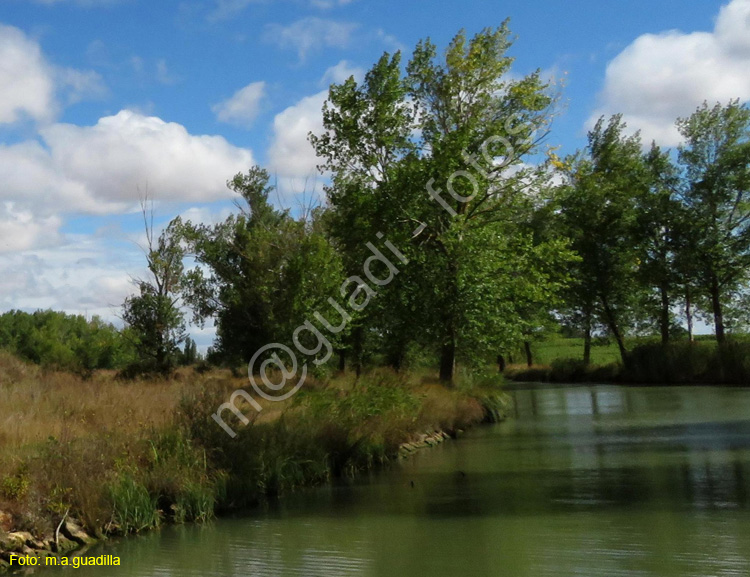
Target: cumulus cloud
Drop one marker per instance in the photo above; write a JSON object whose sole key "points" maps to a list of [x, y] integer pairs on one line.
{"points": [[328, 4], [21, 229], [30, 87], [102, 169], [660, 77], [310, 34], [83, 276], [341, 72], [26, 84], [291, 154], [122, 154], [77, 85], [243, 107]]}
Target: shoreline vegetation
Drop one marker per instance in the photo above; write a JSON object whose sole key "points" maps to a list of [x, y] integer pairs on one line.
{"points": [[85, 459], [650, 363]]}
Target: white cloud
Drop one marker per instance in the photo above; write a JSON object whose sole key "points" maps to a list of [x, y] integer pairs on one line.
{"points": [[21, 230], [291, 154], [227, 8], [310, 34], [79, 85], [660, 77], [102, 169], [26, 84], [341, 72], [163, 74], [243, 106], [122, 154], [83, 276], [30, 86]]}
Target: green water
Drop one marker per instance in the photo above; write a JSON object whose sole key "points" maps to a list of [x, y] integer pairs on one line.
{"points": [[600, 481]]}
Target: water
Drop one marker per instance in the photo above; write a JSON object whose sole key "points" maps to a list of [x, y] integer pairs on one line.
{"points": [[599, 481]]}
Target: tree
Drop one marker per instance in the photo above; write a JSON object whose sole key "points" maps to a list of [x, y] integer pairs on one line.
{"points": [[659, 231], [64, 342], [153, 317], [189, 354], [393, 145], [365, 147], [597, 209], [261, 272], [716, 193]]}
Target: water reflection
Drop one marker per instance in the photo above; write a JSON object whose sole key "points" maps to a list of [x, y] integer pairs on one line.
{"points": [[585, 481]]}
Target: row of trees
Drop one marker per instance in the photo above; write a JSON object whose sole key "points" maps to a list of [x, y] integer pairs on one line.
{"points": [[501, 240], [74, 343], [661, 236]]}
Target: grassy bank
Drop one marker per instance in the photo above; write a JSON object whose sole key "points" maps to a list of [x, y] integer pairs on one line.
{"points": [[679, 363], [123, 457]]}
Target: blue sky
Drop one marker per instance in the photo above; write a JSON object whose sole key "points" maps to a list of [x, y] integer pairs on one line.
{"points": [[101, 100]]}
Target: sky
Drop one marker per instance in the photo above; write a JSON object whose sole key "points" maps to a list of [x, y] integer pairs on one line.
{"points": [[105, 101]]}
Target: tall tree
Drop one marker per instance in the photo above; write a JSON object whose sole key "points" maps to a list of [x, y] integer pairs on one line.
{"points": [[367, 139], [597, 208], [260, 273], [658, 230], [716, 193], [153, 316], [433, 161]]}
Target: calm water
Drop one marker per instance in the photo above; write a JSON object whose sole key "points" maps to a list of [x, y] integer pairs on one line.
{"points": [[600, 481]]}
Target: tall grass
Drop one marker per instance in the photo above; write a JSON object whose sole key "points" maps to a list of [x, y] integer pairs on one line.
{"points": [[126, 456]]}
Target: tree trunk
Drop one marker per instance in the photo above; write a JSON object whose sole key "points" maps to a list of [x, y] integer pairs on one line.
{"points": [[614, 329], [342, 360], [448, 361], [664, 320], [689, 313], [718, 313], [587, 340], [527, 349]]}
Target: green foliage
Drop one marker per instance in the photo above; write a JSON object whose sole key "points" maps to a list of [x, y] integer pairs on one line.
{"points": [[265, 271], [598, 214], [686, 363], [64, 342], [476, 266], [716, 192], [153, 317], [15, 487]]}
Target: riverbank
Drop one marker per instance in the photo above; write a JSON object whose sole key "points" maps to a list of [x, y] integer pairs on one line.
{"points": [[679, 363], [82, 460]]}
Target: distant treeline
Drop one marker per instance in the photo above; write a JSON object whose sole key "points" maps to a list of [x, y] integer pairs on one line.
{"points": [[60, 341]]}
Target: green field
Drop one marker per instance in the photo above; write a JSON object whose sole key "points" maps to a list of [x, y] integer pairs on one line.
{"points": [[603, 351], [545, 352]]}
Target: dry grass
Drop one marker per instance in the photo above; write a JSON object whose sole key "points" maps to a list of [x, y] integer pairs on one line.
{"points": [[94, 445], [38, 405]]}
